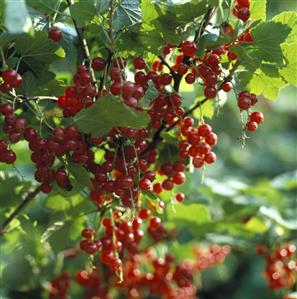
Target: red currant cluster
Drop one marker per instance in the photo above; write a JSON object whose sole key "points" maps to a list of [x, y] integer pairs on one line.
{"points": [[241, 10], [281, 266], [11, 80], [167, 108], [144, 272], [245, 101], [93, 284], [55, 34], [197, 143], [121, 237], [80, 95], [6, 156], [13, 126], [59, 287]]}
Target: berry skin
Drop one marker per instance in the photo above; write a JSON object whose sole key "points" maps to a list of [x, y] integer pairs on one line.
{"points": [[88, 233], [204, 130], [251, 126], [157, 188], [179, 178], [243, 3], [55, 34], [257, 117], [211, 139], [210, 92], [210, 158], [165, 79], [155, 222], [190, 78], [145, 184], [98, 64], [243, 14], [167, 185], [180, 197], [227, 86], [139, 63], [244, 103], [188, 48]]}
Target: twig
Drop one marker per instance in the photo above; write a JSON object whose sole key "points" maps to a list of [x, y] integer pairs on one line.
{"points": [[84, 45], [19, 208], [22, 98], [200, 103]]}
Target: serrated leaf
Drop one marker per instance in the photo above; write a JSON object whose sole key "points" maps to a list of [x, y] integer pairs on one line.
{"points": [[127, 13], [37, 51], [44, 5], [106, 113], [83, 11], [16, 17], [259, 83], [57, 203], [289, 46], [80, 174], [267, 39], [258, 10]]}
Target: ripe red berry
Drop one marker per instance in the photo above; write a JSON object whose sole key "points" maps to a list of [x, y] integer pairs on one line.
{"points": [[210, 92], [165, 79], [55, 34], [243, 14], [145, 184], [243, 3], [227, 86], [257, 117], [204, 130], [211, 139], [190, 78], [244, 103], [155, 222], [188, 48], [98, 64], [251, 126], [198, 162], [180, 197], [88, 233], [210, 158], [167, 184], [179, 178], [139, 63], [182, 69]]}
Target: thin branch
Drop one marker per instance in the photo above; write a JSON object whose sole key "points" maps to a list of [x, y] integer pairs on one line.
{"points": [[19, 209], [22, 98], [172, 72], [83, 44], [200, 103]]}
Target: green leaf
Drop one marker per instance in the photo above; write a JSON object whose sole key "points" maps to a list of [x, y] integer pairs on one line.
{"points": [[44, 6], [83, 11], [57, 203], [16, 17], [37, 51], [210, 41], [259, 83], [127, 13], [267, 39], [150, 94], [188, 215], [80, 174], [289, 46], [258, 10], [206, 110], [29, 85], [106, 113], [256, 225]]}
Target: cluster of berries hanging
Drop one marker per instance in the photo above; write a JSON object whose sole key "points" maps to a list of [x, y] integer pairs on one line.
{"points": [[144, 272], [11, 80], [59, 287], [281, 266], [197, 143], [245, 101], [80, 95], [241, 10]]}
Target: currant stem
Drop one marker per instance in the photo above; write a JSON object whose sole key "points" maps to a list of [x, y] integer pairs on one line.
{"points": [[19, 209]]}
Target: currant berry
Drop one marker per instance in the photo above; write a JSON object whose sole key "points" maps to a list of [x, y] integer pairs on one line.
{"points": [[98, 64], [180, 197], [55, 34], [188, 48]]}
